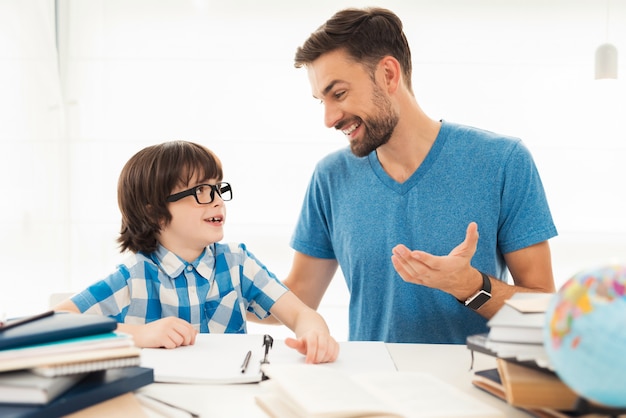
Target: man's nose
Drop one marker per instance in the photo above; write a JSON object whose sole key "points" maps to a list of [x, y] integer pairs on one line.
{"points": [[332, 115]]}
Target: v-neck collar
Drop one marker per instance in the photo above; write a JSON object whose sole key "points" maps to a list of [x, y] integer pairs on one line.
{"points": [[424, 167]]}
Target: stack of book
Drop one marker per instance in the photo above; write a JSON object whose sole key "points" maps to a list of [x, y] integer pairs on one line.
{"points": [[516, 330], [58, 363], [524, 376]]}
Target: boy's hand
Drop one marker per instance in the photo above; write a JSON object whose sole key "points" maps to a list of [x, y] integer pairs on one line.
{"points": [[317, 347], [170, 332]]}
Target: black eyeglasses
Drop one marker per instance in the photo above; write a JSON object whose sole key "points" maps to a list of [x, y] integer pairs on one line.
{"points": [[205, 193]]}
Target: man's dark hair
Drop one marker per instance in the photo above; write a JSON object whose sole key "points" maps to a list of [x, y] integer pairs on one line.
{"points": [[146, 181], [367, 35]]}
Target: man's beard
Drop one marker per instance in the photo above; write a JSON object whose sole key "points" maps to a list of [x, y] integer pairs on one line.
{"points": [[378, 131]]}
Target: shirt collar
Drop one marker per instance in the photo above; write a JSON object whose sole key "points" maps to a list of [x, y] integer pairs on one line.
{"points": [[173, 266]]}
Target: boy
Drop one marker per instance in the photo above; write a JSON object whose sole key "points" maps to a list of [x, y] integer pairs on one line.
{"points": [[180, 280]]}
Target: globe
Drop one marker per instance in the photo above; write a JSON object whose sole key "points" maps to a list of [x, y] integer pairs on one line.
{"points": [[585, 334]]}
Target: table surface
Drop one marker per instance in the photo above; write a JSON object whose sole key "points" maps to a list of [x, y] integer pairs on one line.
{"points": [[450, 363]]}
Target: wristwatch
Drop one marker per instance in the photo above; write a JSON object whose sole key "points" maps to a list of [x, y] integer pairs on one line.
{"points": [[476, 301]]}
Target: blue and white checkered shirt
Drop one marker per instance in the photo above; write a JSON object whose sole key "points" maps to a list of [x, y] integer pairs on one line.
{"points": [[213, 293]]}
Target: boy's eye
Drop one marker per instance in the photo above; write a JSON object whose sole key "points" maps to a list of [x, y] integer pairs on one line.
{"points": [[202, 189]]}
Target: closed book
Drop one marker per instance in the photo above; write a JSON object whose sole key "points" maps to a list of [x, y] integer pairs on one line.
{"points": [[93, 347], [96, 387], [516, 333], [529, 355], [25, 387], [63, 369], [489, 381], [59, 326], [532, 388], [511, 325], [522, 353]]}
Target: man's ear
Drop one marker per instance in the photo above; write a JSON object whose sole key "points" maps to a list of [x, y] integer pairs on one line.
{"points": [[392, 73]]}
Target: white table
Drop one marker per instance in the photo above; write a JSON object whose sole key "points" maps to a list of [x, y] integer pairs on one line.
{"points": [[450, 363]]}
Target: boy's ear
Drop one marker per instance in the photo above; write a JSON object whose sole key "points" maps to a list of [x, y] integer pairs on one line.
{"points": [[158, 220]]}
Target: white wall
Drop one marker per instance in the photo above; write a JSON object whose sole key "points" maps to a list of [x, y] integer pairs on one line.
{"points": [[137, 72]]}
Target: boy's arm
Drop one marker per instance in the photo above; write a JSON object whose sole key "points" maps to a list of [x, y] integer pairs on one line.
{"points": [[167, 332], [170, 332], [313, 338], [308, 280], [66, 306]]}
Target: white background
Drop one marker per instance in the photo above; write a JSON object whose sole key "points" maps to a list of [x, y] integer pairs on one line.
{"points": [[84, 84]]}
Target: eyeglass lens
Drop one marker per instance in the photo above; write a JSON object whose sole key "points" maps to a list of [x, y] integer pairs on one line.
{"points": [[205, 193]]}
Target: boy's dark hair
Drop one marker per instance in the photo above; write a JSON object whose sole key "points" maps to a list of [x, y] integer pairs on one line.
{"points": [[367, 35], [146, 181]]}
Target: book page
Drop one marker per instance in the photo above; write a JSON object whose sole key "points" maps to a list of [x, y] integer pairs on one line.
{"points": [[424, 395], [309, 390]]}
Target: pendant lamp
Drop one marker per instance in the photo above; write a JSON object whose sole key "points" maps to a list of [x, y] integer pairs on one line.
{"points": [[606, 62], [606, 56]]}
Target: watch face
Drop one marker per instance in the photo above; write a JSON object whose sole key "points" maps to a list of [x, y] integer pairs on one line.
{"points": [[479, 300]]}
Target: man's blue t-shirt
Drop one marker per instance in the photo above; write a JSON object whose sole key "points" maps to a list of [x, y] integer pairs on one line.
{"points": [[355, 213]]}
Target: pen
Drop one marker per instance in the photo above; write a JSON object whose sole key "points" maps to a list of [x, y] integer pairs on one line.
{"points": [[10, 324], [246, 360]]}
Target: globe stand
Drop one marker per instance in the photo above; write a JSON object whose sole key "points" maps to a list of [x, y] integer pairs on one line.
{"points": [[583, 406]]}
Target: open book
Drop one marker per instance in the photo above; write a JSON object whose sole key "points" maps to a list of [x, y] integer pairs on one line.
{"points": [[321, 391]]}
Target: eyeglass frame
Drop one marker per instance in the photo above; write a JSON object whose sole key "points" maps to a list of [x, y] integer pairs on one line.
{"points": [[215, 188]]}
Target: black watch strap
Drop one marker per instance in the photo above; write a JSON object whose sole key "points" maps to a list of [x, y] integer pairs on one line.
{"points": [[481, 297]]}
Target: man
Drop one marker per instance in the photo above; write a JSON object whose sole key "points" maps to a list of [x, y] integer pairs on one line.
{"points": [[392, 210]]}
